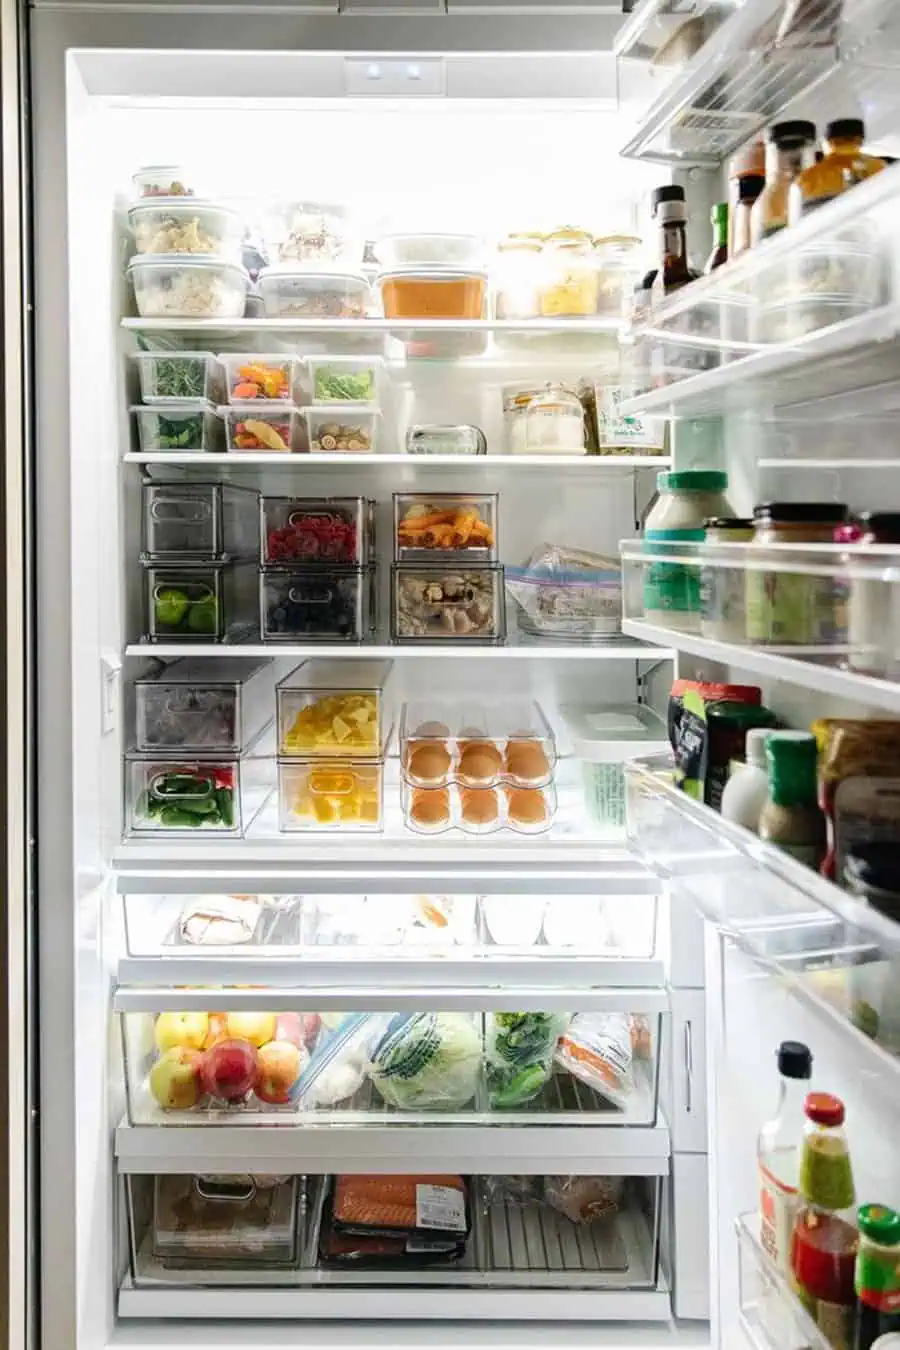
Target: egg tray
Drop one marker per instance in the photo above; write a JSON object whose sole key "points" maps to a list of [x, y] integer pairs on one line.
{"points": [[437, 810], [510, 746]]}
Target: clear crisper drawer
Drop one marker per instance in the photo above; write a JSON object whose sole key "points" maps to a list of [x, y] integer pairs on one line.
{"points": [[199, 520], [240, 1222], [181, 796], [772, 1315], [196, 1066], [317, 530], [447, 603], [339, 794], [335, 604], [203, 704], [199, 601], [214, 925], [445, 527]]}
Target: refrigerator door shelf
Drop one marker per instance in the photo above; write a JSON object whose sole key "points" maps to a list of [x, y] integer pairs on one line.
{"points": [[770, 1312]]}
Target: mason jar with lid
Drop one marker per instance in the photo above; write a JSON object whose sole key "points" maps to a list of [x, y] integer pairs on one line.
{"points": [[616, 257], [794, 608], [517, 276], [570, 281], [554, 423], [873, 606], [686, 500], [722, 598]]}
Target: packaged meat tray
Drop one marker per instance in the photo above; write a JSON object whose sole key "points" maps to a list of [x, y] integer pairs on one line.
{"points": [[401, 1206]]}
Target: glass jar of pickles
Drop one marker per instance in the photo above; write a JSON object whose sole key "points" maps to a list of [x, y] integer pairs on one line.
{"points": [[570, 278]]}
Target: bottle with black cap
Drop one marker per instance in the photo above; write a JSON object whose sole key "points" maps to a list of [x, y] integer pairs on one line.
{"points": [[845, 163], [778, 1153], [790, 150], [670, 213]]}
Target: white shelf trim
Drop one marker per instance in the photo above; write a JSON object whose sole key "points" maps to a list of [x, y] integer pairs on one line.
{"points": [[589, 464], [516, 651], [390, 997], [597, 326]]}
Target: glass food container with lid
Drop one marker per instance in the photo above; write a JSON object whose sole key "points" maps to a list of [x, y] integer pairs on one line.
{"points": [[570, 279], [801, 607], [617, 257], [554, 423], [517, 276]]}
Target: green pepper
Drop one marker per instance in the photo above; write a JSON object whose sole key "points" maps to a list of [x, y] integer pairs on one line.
{"points": [[520, 1088], [174, 818], [225, 800]]}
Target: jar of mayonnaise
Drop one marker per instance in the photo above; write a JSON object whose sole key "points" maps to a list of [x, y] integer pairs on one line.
{"points": [[686, 500]]}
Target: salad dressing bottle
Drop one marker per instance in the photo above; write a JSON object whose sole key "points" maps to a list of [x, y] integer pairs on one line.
{"points": [[791, 817], [778, 1154]]}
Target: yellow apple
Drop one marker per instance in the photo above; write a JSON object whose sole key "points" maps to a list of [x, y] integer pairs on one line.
{"points": [[217, 1030], [255, 1027], [181, 1028], [175, 1078], [279, 1066]]}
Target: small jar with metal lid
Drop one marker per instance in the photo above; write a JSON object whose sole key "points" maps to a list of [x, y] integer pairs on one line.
{"points": [[722, 598], [796, 603], [873, 606], [554, 423], [570, 280]]}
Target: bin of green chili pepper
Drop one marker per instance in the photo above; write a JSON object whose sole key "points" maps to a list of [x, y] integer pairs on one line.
{"points": [[182, 428], [180, 377], [166, 795]]}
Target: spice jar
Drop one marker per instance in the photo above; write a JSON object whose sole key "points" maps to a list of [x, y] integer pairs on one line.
{"points": [[873, 606], [686, 501], [570, 282], [793, 608], [747, 163], [722, 588], [616, 257], [554, 423], [516, 276]]}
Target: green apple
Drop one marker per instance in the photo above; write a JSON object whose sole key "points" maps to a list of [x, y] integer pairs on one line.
{"points": [[187, 1029], [170, 607], [203, 617], [175, 1079]]}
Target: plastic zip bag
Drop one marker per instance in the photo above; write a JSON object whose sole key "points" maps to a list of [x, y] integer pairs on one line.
{"points": [[596, 1049], [519, 1051]]}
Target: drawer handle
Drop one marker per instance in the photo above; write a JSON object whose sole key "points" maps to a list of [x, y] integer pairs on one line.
{"points": [[688, 1068]]}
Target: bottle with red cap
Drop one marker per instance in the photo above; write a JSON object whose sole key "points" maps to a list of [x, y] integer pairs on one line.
{"points": [[825, 1238]]}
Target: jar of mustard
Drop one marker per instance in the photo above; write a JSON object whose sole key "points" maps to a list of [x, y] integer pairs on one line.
{"points": [[570, 280], [794, 608]]}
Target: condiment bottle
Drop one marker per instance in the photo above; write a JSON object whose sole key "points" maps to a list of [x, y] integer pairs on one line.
{"points": [[749, 189], [791, 818], [873, 622], [824, 1240], [727, 727], [877, 1279], [778, 1152], [845, 164], [872, 874], [787, 607], [719, 255], [748, 786], [674, 270], [790, 149], [747, 163]]}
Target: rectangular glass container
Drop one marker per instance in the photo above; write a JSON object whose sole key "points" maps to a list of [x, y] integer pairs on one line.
{"points": [[335, 708], [445, 527], [447, 603], [317, 604], [199, 601], [208, 521], [202, 704]]}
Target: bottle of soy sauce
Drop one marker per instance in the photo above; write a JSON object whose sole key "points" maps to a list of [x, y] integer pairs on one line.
{"points": [[877, 1278]]}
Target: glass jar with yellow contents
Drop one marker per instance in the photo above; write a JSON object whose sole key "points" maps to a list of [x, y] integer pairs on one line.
{"points": [[570, 276]]}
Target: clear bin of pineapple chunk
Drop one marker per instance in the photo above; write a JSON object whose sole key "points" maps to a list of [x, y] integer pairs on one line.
{"points": [[334, 708]]}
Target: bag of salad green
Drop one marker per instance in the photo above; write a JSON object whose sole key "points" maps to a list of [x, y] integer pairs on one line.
{"points": [[519, 1048]]}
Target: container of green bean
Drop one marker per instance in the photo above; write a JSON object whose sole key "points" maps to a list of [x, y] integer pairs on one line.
{"points": [[180, 377]]}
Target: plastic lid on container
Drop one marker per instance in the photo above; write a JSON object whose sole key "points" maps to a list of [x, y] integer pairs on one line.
{"points": [[801, 513], [728, 523], [170, 260], [882, 523], [204, 673], [824, 1109], [750, 186], [180, 203], [794, 1060], [755, 743], [338, 412], [173, 356], [188, 407], [876, 865], [432, 272], [740, 716], [845, 129], [786, 133], [314, 275], [599, 734], [429, 235], [263, 407], [669, 192], [712, 692], [880, 1223], [692, 480]]}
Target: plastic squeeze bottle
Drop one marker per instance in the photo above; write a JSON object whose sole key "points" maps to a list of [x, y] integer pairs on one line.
{"points": [[748, 787]]}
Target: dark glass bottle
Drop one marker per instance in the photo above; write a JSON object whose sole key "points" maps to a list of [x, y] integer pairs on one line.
{"points": [[674, 270], [719, 254]]}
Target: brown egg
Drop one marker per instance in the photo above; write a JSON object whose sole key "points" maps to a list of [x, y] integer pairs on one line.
{"points": [[430, 806], [479, 806], [526, 806], [480, 762], [432, 730], [527, 761], [429, 763]]}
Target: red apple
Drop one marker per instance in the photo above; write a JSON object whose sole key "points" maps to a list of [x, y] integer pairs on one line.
{"points": [[301, 1029], [229, 1070], [279, 1066]]}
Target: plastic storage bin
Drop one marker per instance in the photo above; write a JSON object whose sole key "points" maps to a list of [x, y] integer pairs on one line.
{"points": [[603, 738], [181, 795], [332, 708], [201, 704], [266, 378], [445, 526], [201, 520], [433, 293], [163, 180], [341, 428], [478, 810], [476, 745], [337, 794], [313, 530], [430, 250], [262, 428], [297, 293], [445, 440], [317, 604], [344, 379], [179, 428], [238, 1222], [180, 378], [188, 286], [199, 602], [186, 225], [444, 603]]}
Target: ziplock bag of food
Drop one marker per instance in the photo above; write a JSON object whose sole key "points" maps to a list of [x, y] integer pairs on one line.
{"points": [[427, 1061], [337, 1068], [584, 1199], [596, 1048], [219, 920], [566, 591], [519, 1050]]}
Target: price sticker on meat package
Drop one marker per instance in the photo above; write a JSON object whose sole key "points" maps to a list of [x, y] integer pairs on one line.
{"points": [[440, 1207]]}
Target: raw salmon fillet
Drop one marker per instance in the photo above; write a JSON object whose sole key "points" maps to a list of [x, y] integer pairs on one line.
{"points": [[387, 1202]]}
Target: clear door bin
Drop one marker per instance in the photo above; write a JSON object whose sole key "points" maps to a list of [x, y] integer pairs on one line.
{"points": [[267, 378], [312, 530], [200, 602], [188, 286], [338, 794], [180, 377], [476, 745], [242, 1067], [770, 1311], [331, 708], [603, 737], [448, 603], [219, 703], [207, 521], [180, 796], [317, 605], [262, 428], [341, 428], [240, 1222], [445, 526], [298, 293], [186, 225], [481, 810], [344, 379], [187, 926], [181, 428]]}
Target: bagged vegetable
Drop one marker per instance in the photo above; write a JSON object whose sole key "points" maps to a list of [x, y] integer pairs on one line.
{"points": [[427, 1061], [519, 1054], [596, 1048]]}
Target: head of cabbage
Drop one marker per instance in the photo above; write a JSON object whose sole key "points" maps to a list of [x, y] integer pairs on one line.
{"points": [[427, 1061]]}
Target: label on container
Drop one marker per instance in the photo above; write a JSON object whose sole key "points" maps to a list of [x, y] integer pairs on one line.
{"points": [[440, 1207], [722, 603], [616, 431], [777, 1208], [671, 589], [788, 609]]}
